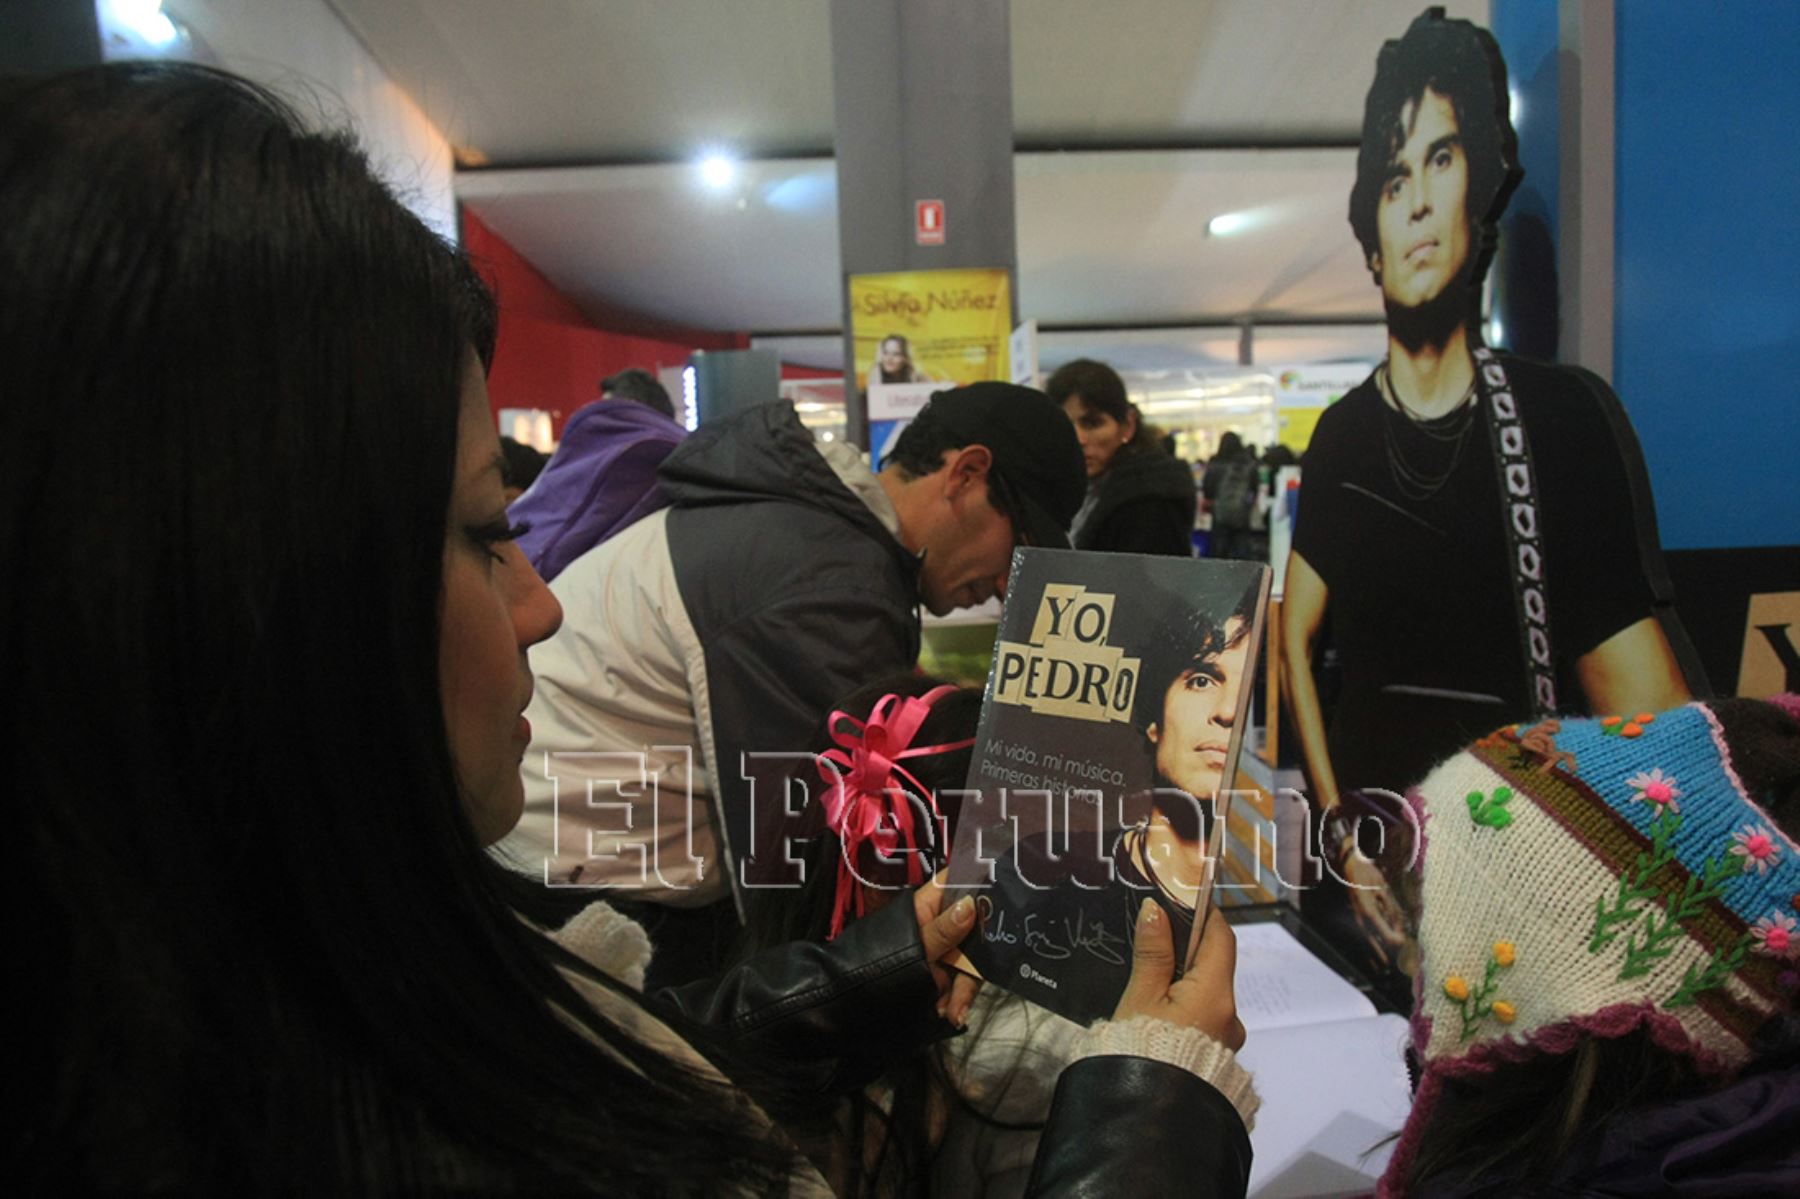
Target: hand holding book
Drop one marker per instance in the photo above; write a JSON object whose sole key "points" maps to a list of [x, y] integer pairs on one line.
{"points": [[1202, 998], [942, 929]]}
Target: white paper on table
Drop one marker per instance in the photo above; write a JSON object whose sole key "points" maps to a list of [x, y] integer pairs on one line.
{"points": [[1280, 982], [1332, 1095]]}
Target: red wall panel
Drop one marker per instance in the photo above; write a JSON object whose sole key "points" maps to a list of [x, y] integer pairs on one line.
{"points": [[549, 355]]}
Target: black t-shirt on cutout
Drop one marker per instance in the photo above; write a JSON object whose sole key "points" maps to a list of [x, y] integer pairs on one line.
{"points": [[1421, 595]]}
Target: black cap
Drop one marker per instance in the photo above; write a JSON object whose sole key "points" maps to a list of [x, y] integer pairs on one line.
{"points": [[1041, 474]]}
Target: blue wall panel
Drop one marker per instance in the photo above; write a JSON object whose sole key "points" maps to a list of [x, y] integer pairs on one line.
{"points": [[1707, 276]]}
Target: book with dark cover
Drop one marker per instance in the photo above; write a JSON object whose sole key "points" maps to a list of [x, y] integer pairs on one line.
{"points": [[1109, 738]]}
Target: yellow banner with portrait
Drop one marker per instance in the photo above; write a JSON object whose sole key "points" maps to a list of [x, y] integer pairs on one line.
{"points": [[931, 326]]}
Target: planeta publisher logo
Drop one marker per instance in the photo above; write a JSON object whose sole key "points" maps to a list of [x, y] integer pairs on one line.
{"points": [[1030, 975], [1066, 668]]}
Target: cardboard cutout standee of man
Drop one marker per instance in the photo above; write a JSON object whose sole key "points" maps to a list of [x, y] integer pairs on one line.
{"points": [[1467, 518]]}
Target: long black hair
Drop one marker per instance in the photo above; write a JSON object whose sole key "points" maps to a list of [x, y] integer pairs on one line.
{"points": [[261, 947], [1461, 62]]}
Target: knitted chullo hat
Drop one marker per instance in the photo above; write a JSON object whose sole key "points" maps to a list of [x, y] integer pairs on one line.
{"points": [[1588, 878]]}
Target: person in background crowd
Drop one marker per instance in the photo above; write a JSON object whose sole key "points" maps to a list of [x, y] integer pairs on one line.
{"points": [[1230, 488], [523, 465], [1139, 499], [640, 387], [720, 630], [602, 478], [1610, 959], [265, 948], [965, 1116], [1273, 459]]}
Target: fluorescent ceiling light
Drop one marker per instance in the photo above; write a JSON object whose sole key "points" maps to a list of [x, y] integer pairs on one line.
{"points": [[1227, 223], [143, 20], [718, 170]]}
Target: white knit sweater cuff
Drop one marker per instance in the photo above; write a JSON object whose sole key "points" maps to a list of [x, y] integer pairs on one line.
{"points": [[609, 941], [1188, 1048]]}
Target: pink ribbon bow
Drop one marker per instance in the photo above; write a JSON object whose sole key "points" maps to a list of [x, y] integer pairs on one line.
{"points": [[860, 774]]}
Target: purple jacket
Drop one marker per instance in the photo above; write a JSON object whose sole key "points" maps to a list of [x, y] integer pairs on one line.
{"points": [[601, 479], [1742, 1140]]}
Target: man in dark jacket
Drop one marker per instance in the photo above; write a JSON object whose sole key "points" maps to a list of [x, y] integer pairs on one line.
{"points": [[702, 646]]}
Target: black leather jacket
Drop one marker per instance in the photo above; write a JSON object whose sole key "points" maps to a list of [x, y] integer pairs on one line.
{"points": [[835, 1015]]}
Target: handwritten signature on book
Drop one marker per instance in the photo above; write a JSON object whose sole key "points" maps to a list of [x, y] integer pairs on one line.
{"points": [[1039, 935]]}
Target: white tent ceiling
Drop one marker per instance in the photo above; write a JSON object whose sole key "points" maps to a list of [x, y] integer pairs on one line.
{"points": [[1136, 120]]}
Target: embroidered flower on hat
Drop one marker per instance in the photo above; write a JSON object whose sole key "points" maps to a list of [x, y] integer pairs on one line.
{"points": [[1618, 726], [1476, 1004], [1684, 892], [1756, 847], [1775, 935], [1655, 787], [1490, 811]]}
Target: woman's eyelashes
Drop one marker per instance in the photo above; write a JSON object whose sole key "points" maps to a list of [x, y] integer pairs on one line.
{"points": [[495, 533]]}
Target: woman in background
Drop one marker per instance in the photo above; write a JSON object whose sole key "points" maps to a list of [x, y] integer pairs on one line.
{"points": [[1140, 500]]}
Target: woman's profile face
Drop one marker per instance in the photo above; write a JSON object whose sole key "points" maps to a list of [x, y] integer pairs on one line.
{"points": [[1198, 710], [1101, 436], [495, 607]]}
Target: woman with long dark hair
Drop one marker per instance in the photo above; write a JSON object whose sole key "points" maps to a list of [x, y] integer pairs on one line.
{"points": [[265, 635], [265, 650], [1140, 500]]}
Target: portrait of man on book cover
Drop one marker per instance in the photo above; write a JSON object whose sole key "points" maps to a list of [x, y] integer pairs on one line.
{"points": [[1103, 765], [1475, 531]]}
